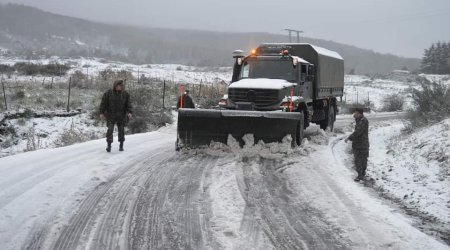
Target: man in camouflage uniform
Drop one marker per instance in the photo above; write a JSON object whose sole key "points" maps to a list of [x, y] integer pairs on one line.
{"points": [[360, 143], [116, 108], [188, 102]]}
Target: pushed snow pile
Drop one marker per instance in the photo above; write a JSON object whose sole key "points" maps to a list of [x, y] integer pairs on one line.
{"points": [[415, 169], [321, 138], [252, 150], [261, 149]]}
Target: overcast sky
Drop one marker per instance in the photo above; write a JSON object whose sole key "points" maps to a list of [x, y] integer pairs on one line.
{"points": [[401, 27]]}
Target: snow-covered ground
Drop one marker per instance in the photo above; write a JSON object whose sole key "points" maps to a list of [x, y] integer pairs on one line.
{"points": [[40, 133], [223, 197], [92, 66], [415, 169], [359, 89], [47, 185], [412, 170]]}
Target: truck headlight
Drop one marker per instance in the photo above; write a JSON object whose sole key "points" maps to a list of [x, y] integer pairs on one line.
{"points": [[223, 101]]}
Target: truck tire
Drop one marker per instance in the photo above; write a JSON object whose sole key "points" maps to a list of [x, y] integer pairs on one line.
{"points": [[300, 133], [306, 119], [330, 117]]}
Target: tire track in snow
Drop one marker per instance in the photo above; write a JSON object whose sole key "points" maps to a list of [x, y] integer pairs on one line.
{"points": [[152, 203], [350, 214], [288, 223], [91, 208], [18, 185], [174, 208]]}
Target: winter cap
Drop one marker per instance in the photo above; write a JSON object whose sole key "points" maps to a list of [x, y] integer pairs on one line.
{"points": [[117, 82], [359, 110]]}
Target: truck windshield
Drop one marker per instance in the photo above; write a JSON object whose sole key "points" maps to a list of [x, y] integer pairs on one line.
{"points": [[272, 69]]}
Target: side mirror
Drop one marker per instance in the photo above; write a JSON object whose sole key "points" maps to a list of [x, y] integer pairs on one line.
{"points": [[311, 70], [295, 62]]}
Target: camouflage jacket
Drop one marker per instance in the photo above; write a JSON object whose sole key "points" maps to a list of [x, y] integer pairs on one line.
{"points": [[115, 104], [187, 102], [360, 137]]}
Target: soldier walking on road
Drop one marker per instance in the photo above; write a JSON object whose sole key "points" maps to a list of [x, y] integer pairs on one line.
{"points": [[360, 143], [116, 108]]}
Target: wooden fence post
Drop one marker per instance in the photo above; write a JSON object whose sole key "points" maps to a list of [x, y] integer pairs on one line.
{"points": [[4, 94], [68, 97]]}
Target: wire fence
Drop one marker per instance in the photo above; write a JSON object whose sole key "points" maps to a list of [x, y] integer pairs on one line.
{"points": [[357, 97], [84, 91]]}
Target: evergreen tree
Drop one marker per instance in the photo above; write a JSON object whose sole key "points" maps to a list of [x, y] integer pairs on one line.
{"points": [[436, 59], [426, 61], [446, 58]]}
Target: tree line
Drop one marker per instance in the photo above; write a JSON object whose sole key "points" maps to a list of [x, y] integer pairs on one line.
{"points": [[30, 69], [436, 59]]}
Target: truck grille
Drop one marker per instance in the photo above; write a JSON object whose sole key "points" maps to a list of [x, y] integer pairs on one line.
{"points": [[261, 97]]}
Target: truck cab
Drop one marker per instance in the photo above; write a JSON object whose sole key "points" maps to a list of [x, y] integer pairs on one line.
{"points": [[269, 82]]}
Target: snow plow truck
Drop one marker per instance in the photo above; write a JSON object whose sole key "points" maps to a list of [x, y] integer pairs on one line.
{"points": [[276, 91]]}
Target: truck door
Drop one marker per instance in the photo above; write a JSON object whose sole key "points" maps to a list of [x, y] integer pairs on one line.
{"points": [[305, 83]]}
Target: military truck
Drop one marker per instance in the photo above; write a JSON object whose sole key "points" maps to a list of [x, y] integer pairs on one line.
{"points": [[276, 91]]}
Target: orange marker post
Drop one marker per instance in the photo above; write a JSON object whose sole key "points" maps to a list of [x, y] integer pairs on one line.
{"points": [[182, 89], [290, 102]]}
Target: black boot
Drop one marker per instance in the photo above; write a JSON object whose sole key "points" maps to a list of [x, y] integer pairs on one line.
{"points": [[108, 148], [121, 146]]}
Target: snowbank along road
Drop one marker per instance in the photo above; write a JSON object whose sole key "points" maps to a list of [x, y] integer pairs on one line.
{"points": [[151, 197]]}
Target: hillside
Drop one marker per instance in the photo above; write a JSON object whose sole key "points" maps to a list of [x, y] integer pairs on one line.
{"points": [[30, 32]]}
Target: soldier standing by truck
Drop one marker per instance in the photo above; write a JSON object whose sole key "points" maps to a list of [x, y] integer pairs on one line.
{"points": [[185, 101], [360, 143], [116, 108]]}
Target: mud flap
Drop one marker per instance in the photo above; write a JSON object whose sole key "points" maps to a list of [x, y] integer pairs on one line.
{"points": [[198, 127]]}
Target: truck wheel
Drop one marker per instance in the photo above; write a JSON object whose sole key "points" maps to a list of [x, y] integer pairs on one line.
{"points": [[330, 117], [177, 146], [300, 132], [306, 119]]}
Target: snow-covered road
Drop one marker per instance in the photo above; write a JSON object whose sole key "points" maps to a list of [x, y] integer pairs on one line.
{"points": [[151, 197]]}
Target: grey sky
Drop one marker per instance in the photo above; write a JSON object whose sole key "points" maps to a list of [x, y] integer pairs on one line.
{"points": [[401, 27]]}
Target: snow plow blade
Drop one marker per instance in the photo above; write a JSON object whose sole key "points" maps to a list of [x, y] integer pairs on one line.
{"points": [[197, 127]]}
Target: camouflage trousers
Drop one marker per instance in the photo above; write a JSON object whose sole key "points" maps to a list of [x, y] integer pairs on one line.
{"points": [[120, 127], [361, 156]]}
